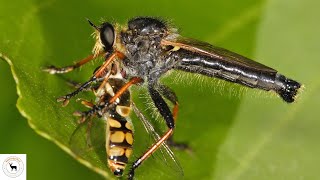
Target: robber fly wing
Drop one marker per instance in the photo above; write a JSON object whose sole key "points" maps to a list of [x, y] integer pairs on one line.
{"points": [[166, 153], [203, 48]]}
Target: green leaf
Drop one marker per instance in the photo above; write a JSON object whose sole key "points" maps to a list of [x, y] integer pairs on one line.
{"points": [[233, 135]]}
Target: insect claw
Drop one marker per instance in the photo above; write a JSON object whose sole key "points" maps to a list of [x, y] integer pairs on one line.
{"points": [[50, 69], [60, 99], [82, 120], [64, 100], [82, 115], [78, 113], [65, 103]]}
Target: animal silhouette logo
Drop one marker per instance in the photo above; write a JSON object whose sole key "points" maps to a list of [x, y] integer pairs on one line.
{"points": [[13, 166]]}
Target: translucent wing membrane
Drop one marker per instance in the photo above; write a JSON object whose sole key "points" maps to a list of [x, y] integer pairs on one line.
{"points": [[88, 141], [202, 58], [167, 156], [207, 49]]}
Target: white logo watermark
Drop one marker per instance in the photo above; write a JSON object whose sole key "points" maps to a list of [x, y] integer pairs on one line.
{"points": [[13, 166]]}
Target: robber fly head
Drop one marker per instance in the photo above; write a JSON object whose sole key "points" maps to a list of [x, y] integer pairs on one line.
{"points": [[105, 37]]}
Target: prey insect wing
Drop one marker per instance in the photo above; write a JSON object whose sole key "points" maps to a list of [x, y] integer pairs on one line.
{"points": [[87, 141], [167, 156]]}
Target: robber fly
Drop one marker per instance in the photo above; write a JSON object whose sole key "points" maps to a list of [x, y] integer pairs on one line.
{"points": [[145, 49]]}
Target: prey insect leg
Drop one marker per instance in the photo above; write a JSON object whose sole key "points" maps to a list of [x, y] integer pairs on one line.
{"points": [[90, 105], [98, 74], [99, 108], [62, 70], [168, 117]]}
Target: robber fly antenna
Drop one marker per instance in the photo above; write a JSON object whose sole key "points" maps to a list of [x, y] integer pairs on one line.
{"points": [[94, 26]]}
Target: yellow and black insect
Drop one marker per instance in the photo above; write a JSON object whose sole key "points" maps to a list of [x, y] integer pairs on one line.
{"points": [[118, 128], [141, 52]]}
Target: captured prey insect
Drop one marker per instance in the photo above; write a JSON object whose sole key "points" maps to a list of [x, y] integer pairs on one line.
{"points": [[118, 126], [118, 130], [146, 49]]}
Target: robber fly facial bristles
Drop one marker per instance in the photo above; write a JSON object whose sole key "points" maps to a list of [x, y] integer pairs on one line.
{"points": [[94, 26]]}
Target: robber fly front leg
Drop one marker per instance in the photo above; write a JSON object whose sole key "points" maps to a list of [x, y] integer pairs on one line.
{"points": [[62, 70], [100, 73]]}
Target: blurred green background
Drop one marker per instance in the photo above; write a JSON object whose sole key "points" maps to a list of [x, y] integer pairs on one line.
{"points": [[235, 133]]}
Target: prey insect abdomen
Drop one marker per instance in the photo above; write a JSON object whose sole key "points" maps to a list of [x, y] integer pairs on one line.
{"points": [[119, 131], [119, 140], [251, 76]]}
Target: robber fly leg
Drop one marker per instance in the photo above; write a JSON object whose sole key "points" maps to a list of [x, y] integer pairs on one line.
{"points": [[168, 117], [62, 70], [101, 107], [65, 99], [100, 73], [170, 95]]}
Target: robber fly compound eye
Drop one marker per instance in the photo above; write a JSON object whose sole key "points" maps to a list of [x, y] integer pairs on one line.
{"points": [[107, 36]]}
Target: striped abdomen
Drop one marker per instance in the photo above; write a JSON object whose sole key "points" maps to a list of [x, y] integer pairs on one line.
{"points": [[119, 131], [119, 140]]}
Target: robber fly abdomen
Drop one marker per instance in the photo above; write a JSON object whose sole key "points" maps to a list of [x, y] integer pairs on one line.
{"points": [[252, 75]]}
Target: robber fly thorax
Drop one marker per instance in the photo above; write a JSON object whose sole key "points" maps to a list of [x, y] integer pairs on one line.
{"points": [[145, 57], [147, 48]]}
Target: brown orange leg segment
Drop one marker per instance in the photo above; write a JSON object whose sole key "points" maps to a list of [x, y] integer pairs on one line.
{"points": [[171, 96], [107, 62], [56, 70], [132, 81], [165, 112], [175, 111], [87, 104], [95, 109], [154, 147], [148, 153], [177, 145], [98, 74]]}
